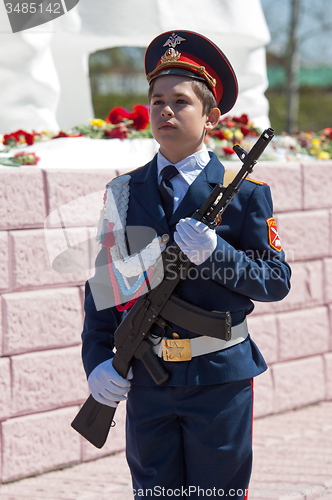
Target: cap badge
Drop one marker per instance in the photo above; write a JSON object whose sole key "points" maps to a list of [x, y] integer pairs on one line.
{"points": [[170, 56], [174, 40]]}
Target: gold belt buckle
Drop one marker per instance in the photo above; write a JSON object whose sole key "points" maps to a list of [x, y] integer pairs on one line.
{"points": [[176, 350]]}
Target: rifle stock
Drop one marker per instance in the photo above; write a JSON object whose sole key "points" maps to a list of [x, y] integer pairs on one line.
{"points": [[94, 421]]}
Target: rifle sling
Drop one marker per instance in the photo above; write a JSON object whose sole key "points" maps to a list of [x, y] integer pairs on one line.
{"points": [[197, 320]]}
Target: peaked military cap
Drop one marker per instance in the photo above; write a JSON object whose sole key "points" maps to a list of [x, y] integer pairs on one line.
{"points": [[186, 53]]}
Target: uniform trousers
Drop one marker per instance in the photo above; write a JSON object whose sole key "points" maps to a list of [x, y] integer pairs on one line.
{"points": [[192, 441]]}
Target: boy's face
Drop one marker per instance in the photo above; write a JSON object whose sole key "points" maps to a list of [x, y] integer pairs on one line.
{"points": [[176, 117]]}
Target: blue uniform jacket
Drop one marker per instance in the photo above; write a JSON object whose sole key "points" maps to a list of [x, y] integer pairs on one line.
{"points": [[244, 266]]}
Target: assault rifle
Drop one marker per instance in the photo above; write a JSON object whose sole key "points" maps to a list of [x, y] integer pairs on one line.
{"points": [[94, 420]]}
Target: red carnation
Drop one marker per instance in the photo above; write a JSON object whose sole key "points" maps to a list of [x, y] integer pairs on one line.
{"points": [[327, 132], [219, 134], [29, 139], [117, 115], [20, 132], [60, 134], [245, 131], [243, 119], [120, 132], [10, 139], [140, 117], [27, 158], [64, 134], [228, 151], [15, 137]]}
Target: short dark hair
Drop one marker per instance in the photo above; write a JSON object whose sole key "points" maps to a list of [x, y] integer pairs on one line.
{"points": [[203, 93]]}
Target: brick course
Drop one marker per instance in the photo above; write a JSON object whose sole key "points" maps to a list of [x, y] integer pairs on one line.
{"points": [[328, 280], [5, 388], [47, 380], [79, 195], [36, 443], [305, 234], [52, 318], [328, 374], [22, 198], [285, 181], [4, 261], [298, 383], [303, 333], [31, 259], [317, 185]]}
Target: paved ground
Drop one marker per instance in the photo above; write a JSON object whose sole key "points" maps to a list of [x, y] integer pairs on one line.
{"points": [[292, 460]]}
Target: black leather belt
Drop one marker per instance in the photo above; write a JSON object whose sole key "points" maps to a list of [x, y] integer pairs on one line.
{"points": [[197, 320]]}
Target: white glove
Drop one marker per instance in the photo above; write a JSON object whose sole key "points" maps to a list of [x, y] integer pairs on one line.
{"points": [[196, 240], [107, 386]]}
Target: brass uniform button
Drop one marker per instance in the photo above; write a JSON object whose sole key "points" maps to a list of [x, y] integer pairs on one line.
{"points": [[165, 238]]}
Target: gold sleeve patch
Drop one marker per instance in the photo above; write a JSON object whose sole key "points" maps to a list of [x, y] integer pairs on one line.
{"points": [[274, 238]]}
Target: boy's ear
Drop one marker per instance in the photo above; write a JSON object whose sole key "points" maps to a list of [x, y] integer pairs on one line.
{"points": [[213, 119]]}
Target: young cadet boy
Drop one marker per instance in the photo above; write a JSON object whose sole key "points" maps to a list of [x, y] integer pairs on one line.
{"points": [[192, 435]]}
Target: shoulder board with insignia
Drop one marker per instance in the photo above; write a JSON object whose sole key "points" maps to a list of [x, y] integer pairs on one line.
{"points": [[256, 182], [229, 176], [131, 171], [125, 173]]}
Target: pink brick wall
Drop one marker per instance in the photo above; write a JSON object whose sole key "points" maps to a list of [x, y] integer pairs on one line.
{"points": [[295, 335], [42, 382]]}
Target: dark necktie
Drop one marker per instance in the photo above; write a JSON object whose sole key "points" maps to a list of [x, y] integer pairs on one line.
{"points": [[166, 189]]}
